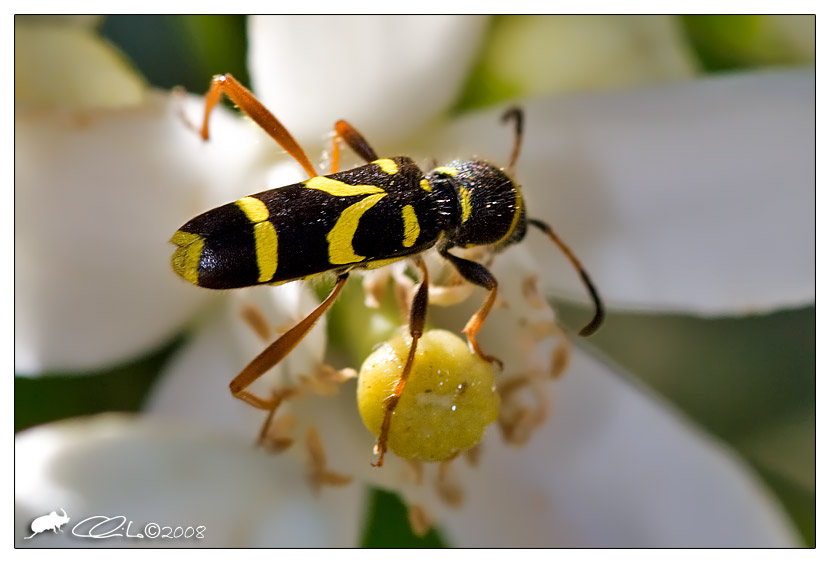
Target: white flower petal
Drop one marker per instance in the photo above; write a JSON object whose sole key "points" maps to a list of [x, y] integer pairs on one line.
{"points": [[787, 36], [152, 470], [612, 467], [194, 387], [69, 66], [385, 75], [195, 384], [694, 197], [97, 196]]}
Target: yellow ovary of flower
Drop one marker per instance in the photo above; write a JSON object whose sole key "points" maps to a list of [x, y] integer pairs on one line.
{"points": [[449, 398]]}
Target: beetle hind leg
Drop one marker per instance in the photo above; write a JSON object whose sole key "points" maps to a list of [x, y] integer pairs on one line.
{"points": [[273, 354], [247, 102]]}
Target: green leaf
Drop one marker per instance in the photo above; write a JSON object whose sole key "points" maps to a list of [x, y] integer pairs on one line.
{"points": [[387, 525], [729, 42], [57, 396]]}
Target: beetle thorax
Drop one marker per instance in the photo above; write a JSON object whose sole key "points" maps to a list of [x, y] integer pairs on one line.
{"points": [[489, 204]]}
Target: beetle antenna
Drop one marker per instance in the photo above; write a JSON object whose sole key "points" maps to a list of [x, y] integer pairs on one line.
{"points": [[599, 310], [517, 116]]}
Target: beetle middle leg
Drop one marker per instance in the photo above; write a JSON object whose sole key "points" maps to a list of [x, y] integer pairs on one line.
{"points": [[357, 142], [417, 320]]}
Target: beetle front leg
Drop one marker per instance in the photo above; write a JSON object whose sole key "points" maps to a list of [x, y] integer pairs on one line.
{"points": [[477, 274]]}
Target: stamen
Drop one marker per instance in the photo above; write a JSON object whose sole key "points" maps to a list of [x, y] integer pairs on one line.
{"points": [[277, 397], [375, 284], [179, 97], [317, 456], [561, 353], [473, 455], [518, 426], [448, 487], [510, 386], [418, 520], [446, 295], [255, 319], [326, 380], [277, 438], [334, 479], [560, 358], [530, 291], [415, 471], [517, 420], [320, 475]]}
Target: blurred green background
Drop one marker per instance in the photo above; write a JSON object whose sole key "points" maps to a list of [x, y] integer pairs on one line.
{"points": [[749, 381]]}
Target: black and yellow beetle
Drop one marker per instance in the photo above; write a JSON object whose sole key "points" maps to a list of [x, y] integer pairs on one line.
{"points": [[367, 217]]}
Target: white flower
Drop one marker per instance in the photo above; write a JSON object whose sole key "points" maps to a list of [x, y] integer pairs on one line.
{"points": [[673, 197], [99, 185], [168, 473]]}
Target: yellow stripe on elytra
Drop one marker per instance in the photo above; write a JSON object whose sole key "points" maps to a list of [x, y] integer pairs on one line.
{"points": [[375, 264], [265, 238], [340, 189], [411, 229], [387, 165], [253, 208], [186, 257], [340, 237], [466, 206], [425, 185]]}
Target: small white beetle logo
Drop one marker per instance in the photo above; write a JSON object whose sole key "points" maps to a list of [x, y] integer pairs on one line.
{"points": [[52, 521]]}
